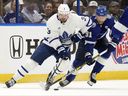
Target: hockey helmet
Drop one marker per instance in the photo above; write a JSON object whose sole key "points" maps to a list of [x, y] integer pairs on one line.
{"points": [[101, 10], [63, 9]]}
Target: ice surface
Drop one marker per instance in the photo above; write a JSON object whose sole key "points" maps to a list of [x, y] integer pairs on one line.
{"points": [[76, 88]]}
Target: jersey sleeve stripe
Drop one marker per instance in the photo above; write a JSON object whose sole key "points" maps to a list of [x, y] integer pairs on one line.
{"points": [[90, 42], [89, 22], [24, 69]]}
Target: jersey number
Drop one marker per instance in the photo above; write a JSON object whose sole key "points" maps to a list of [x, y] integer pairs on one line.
{"points": [[49, 31], [89, 34]]}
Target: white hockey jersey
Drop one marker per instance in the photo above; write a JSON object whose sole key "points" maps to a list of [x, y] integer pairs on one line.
{"points": [[60, 33]]}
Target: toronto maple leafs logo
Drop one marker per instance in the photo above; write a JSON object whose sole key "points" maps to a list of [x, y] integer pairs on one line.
{"points": [[65, 37]]}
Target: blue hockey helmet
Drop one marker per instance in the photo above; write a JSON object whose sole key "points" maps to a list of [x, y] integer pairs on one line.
{"points": [[101, 10]]}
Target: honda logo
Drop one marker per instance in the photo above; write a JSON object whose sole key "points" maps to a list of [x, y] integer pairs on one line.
{"points": [[16, 46]]}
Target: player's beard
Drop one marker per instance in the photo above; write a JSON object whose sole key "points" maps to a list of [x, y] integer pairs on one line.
{"points": [[63, 20]]}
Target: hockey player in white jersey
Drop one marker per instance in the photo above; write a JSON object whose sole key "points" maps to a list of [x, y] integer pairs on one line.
{"points": [[62, 29], [64, 65]]}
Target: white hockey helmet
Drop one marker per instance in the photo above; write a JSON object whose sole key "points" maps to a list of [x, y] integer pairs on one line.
{"points": [[63, 9]]}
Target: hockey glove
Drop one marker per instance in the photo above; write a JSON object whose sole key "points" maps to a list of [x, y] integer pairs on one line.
{"points": [[88, 59], [77, 37], [111, 48], [64, 53]]}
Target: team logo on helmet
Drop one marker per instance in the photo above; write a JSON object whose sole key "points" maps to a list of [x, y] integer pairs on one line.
{"points": [[63, 9], [120, 55], [101, 10]]}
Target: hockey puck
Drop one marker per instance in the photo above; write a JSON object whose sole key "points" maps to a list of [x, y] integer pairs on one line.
{"points": [[56, 89]]}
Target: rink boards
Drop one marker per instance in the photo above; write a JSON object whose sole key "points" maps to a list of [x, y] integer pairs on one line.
{"points": [[19, 42]]}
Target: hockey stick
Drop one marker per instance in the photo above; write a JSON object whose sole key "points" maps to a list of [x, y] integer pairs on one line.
{"points": [[57, 66], [69, 73], [50, 75], [73, 71], [78, 68]]}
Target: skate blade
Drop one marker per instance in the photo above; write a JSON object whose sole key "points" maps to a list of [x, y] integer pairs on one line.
{"points": [[90, 83], [58, 88], [42, 85], [3, 86]]}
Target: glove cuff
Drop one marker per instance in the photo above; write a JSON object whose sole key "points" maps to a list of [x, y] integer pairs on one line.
{"points": [[79, 35], [113, 44], [60, 48]]}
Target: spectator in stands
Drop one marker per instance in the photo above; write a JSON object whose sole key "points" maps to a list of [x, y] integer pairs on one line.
{"points": [[74, 7], [114, 9], [91, 9], [7, 8], [10, 17], [30, 14], [1, 20], [56, 3], [48, 11], [1, 12], [21, 4]]}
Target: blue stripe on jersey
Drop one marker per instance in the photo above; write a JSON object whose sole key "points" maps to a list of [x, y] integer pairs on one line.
{"points": [[53, 39], [88, 24], [46, 39], [24, 69], [20, 73]]}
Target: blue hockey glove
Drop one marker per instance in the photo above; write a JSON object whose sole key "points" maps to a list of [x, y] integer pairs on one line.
{"points": [[77, 37], [110, 49], [64, 53], [88, 59], [112, 46]]}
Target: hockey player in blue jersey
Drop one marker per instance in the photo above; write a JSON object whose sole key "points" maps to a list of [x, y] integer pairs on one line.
{"points": [[105, 22], [62, 29], [102, 44], [116, 35]]}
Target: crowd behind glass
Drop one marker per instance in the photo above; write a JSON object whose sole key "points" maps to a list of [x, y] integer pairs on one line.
{"points": [[39, 11]]}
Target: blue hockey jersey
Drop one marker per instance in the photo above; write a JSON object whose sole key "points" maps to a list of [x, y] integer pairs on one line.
{"points": [[108, 24], [97, 32]]}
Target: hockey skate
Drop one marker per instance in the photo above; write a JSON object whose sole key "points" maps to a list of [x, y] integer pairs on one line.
{"points": [[64, 83], [49, 81], [92, 79], [10, 83]]}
